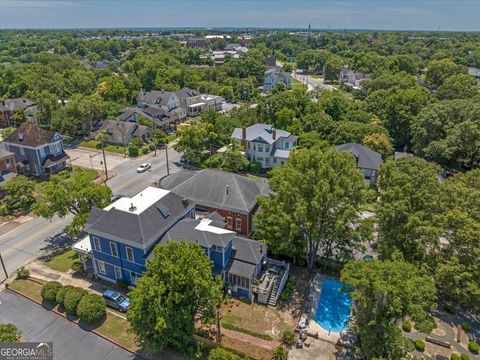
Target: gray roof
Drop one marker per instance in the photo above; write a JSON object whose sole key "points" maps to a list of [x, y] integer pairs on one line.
{"points": [[4, 153], [366, 158], [281, 153], [155, 97], [240, 268], [185, 230], [246, 255], [16, 104], [209, 188], [186, 92], [142, 229], [263, 131], [125, 127]]}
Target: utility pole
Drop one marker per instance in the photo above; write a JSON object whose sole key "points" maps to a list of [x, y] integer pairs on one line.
{"points": [[4, 269], [166, 156], [91, 163], [104, 162]]}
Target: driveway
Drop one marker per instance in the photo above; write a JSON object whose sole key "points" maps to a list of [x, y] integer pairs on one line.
{"points": [[69, 340], [82, 157], [312, 82]]}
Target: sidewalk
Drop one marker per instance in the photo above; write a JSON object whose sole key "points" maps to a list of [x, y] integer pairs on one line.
{"points": [[7, 226]]}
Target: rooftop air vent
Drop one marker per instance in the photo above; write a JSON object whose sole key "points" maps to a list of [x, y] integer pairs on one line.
{"points": [[132, 208]]}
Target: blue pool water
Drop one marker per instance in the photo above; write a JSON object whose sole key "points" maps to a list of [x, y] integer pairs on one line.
{"points": [[333, 310]]}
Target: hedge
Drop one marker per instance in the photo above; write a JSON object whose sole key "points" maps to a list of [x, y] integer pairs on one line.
{"points": [[9, 333], [49, 292], [280, 354], [466, 326], [72, 299], [22, 273], [61, 293], [133, 151], [465, 357], [222, 354], [91, 309], [455, 357], [420, 345], [407, 326], [473, 347]]}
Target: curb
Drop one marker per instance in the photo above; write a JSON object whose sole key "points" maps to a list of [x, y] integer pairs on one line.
{"points": [[7, 287]]}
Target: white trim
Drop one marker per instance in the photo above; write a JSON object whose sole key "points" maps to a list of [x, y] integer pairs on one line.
{"points": [[116, 249], [137, 275], [132, 260], [115, 272], [94, 240], [100, 265]]}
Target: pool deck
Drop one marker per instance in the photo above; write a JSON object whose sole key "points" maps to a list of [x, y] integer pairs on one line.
{"points": [[310, 308]]}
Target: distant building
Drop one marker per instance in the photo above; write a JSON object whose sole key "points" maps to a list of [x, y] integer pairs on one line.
{"points": [[196, 103], [233, 196], [352, 79], [122, 132], [198, 42], [166, 100], [10, 106], [271, 60], [264, 144], [275, 75], [475, 72], [368, 161], [38, 152], [7, 166]]}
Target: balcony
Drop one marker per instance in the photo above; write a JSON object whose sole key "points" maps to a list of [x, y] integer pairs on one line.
{"points": [[272, 281]]}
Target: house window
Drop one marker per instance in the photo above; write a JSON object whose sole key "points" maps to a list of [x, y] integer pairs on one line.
{"points": [[96, 243], [274, 160], [229, 222], [267, 160], [118, 272], [260, 148], [129, 254], [101, 267], [260, 159], [42, 152], [22, 151], [286, 144], [8, 164], [133, 277], [238, 224], [267, 148], [248, 145], [113, 249]]}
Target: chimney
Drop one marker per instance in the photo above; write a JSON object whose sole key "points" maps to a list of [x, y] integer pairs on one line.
{"points": [[132, 208], [227, 188], [185, 202], [274, 133], [261, 249], [244, 133], [20, 136]]}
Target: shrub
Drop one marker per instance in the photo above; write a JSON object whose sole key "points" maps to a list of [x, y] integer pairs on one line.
{"points": [[222, 354], [455, 357], [91, 309], [407, 326], [133, 151], [9, 333], [280, 354], [420, 345], [450, 309], [151, 146], [22, 273], [72, 299], [145, 150], [473, 347], [60, 298], [122, 285], [425, 325], [465, 357], [49, 292], [288, 289], [466, 326], [288, 337]]}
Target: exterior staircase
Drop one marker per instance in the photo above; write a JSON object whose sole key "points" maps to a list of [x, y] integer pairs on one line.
{"points": [[273, 298]]}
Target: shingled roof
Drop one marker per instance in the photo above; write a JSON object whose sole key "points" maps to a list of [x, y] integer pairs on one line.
{"points": [[263, 131], [31, 135], [217, 189], [366, 158]]}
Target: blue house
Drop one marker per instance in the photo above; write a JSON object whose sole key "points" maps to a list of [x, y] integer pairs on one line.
{"points": [[121, 238], [38, 152]]}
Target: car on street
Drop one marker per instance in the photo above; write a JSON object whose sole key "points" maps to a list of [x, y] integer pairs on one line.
{"points": [[116, 300], [144, 167]]}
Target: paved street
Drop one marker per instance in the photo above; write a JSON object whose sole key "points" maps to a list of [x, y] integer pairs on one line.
{"points": [[69, 340], [93, 158], [311, 82], [38, 236]]}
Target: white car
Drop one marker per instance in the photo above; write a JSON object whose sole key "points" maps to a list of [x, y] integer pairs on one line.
{"points": [[144, 167]]}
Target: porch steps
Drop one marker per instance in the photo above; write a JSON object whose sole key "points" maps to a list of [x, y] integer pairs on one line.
{"points": [[273, 298]]}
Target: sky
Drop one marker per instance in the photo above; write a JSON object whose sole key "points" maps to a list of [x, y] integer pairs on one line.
{"points": [[443, 15]]}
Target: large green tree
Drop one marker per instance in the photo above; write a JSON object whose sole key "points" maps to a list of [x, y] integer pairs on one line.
{"points": [[194, 139], [439, 70], [177, 286], [19, 194], [384, 292], [74, 193], [410, 208], [314, 201]]}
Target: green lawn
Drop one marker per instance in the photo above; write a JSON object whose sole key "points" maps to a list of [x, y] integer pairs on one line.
{"points": [[94, 144], [297, 84], [27, 287], [63, 261]]}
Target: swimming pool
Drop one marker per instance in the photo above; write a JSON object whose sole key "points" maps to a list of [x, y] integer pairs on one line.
{"points": [[333, 310]]}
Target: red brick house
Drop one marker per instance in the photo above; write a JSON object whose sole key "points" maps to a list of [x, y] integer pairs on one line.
{"points": [[7, 165], [10, 106], [233, 196]]}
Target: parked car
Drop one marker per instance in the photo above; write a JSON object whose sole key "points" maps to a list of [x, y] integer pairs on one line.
{"points": [[116, 300], [116, 197], [183, 159], [144, 167]]}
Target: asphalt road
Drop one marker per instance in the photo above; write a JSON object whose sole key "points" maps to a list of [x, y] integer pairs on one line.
{"points": [[312, 82], [40, 236], [69, 340]]}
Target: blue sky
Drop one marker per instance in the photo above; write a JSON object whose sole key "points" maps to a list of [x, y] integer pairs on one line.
{"points": [[457, 15]]}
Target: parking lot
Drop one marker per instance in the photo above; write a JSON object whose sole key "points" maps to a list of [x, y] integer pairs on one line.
{"points": [[93, 159]]}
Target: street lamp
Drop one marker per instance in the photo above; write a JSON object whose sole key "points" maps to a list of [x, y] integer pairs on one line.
{"points": [[91, 163]]}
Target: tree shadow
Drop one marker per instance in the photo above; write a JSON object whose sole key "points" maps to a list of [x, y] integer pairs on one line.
{"points": [[55, 244]]}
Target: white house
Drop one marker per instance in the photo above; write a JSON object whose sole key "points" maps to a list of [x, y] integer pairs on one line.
{"points": [[264, 144], [274, 75], [351, 78]]}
